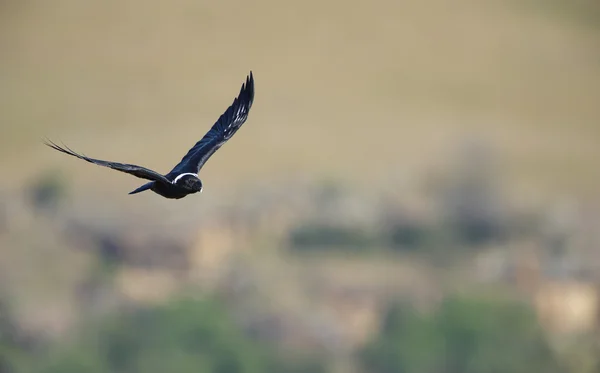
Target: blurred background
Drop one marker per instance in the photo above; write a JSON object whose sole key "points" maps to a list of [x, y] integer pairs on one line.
{"points": [[416, 189]]}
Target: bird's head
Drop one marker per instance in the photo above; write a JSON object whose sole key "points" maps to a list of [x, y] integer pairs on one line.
{"points": [[189, 181]]}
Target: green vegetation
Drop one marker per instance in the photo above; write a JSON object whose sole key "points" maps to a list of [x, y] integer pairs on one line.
{"points": [[586, 12], [48, 190], [184, 336], [328, 236], [14, 345], [464, 336]]}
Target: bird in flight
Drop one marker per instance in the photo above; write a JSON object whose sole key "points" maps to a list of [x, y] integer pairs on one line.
{"points": [[183, 178]]}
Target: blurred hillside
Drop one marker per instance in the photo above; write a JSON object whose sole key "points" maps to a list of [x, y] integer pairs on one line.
{"points": [[413, 175]]}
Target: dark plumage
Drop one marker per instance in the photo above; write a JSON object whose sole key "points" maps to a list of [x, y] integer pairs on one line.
{"points": [[183, 178]]}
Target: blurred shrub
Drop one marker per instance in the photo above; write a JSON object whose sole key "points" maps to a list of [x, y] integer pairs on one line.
{"points": [[8, 350], [184, 336], [472, 212], [403, 232], [471, 204], [14, 345], [302, 364], [463, 336], [408, 235], [581, 353], [586, 12], [328, 236], [47, 191]]}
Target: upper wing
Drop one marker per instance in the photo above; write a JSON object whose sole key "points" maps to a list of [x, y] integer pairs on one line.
{"points": [[221, 131], [134, 170]]}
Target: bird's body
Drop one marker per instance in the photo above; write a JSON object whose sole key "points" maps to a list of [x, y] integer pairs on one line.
{"points": [[183, 178], [181, 186]]}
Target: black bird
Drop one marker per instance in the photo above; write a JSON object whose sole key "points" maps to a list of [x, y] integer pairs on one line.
{"points": [[183, 178]]}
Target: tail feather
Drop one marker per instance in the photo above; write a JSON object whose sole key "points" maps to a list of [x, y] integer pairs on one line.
{"points": [[142, 188]]}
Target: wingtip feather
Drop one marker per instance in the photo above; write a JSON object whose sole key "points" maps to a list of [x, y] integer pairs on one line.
{"points": [[248, 89]]}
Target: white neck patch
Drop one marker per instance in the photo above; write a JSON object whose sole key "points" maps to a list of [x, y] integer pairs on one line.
{"points": [[181, 175]]}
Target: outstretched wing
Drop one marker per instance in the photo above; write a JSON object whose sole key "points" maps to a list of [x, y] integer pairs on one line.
{"points": [[221, 131], [134, 170]]}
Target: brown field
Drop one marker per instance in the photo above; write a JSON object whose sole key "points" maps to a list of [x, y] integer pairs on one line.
{"points": [[363, 91]]}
